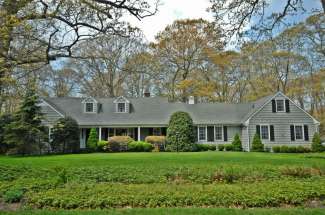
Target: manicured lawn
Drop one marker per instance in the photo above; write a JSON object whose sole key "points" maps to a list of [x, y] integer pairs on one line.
{"points": [[167, 180]]}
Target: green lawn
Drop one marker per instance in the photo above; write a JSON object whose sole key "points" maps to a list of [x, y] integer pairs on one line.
{"points": [[166, 180]]}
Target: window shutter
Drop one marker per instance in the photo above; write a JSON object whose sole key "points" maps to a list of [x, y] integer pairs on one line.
{"points": [[258, 130], [273, 106], [287, 106], [225, 133], [210, 134], [272, 132], [292, 132], [306, 132]]}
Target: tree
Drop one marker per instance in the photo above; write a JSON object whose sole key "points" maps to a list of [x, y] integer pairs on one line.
{"points": [[5, 119], [236, 143], [92, 139], [36, 32], [263, 16], [180, 132], [257, 145], [25, 133], [65, 136], [316, 145]]}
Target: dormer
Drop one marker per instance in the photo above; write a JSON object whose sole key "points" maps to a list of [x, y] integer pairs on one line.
{"points": [[122, 105], [90, 105]]}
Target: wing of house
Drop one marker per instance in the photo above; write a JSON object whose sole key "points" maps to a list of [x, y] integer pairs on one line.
{"points": [[276, 118]]}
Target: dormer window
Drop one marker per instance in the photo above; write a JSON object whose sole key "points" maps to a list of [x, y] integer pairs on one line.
{"points": [[90, 105], [280, 105], [121, 107]]}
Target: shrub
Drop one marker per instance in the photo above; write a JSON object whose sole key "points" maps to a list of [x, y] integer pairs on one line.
{"points": [[157, 141], [205, 147], [101, 144], [316, 145], [118, 143], [257, 145], [92, 139], [229, 147], [180, 132], [65, 136], [299, 172], [290, 149], [140, 146], [236, 143], [221, 147], [276, 149], [284, 149], [5, 120], [13, 195]]}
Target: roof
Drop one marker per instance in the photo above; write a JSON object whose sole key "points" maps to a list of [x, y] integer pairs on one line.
{"points": [[150, 111]]}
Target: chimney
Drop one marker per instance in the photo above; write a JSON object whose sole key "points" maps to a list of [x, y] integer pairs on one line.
{"points": [[146, 93], [191, 100]]}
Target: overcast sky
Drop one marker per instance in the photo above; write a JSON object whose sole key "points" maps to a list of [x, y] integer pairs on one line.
{"points": [[169, 11]]}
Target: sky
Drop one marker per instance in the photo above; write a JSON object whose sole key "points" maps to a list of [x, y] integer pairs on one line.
{"points": [[168, 12]]}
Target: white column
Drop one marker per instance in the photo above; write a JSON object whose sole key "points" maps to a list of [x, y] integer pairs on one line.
{"points": [[100, 133], [139, 135]]}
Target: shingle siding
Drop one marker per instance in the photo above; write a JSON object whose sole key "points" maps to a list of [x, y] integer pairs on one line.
{"points": [[281, 122], [50, 115]]}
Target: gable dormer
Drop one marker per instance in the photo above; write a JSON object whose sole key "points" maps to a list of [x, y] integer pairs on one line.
{"points": [[122, 105], [90, 105]]}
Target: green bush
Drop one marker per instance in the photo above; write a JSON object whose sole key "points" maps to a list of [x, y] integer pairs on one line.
{"points": [[221, 147], [140, 146], [205, 147], [236, 143], [284, 149], [13, 195], [229, 147], [118, 144], [101, 144], [316, 145], [257, 145], [290, 149], [180, 132], [276, 149], [92, 139]]}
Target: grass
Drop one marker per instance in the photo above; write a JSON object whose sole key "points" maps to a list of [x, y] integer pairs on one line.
{"points": [[166, 180]]}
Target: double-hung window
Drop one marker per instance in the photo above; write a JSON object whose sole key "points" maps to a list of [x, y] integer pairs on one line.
{"points": [[265, 132], [218, 132], [202, 134], [89, 107], [156, 131], [299, 132], [121, 107], [280, 106]]}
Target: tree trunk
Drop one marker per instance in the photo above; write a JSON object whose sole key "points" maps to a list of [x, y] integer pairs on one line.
{"points": [[323, 4]]}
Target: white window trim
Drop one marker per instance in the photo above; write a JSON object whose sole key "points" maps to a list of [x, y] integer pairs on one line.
{"points": [[276, 105], [94, 107], [117, 109], [206, 133], [222, 133], [303, 132], [269, 131]]}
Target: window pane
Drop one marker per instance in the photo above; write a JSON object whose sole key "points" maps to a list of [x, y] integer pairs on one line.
{"points": [[218, 133], [298, 131], [202, 134], [265, 132], [121, 107], [89, 107], [156, 131], [280, 105]]}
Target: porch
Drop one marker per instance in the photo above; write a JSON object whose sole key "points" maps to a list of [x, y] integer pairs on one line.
{"points": [[137, 133]]}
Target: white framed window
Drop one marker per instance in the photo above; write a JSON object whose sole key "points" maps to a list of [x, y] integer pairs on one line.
{"points": [[156, 131], [218, 133], [121, 108], [299, 132], [265, 132], [202, 132], [280, 105], [89, 107]]}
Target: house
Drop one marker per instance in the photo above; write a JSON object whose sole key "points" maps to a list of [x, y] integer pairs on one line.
{"points": [[276, 118]]}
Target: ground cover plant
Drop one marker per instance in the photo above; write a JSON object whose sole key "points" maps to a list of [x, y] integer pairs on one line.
{"points": [[167, 180]]}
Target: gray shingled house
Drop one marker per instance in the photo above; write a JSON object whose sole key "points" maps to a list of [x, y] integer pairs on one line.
{"points": [[276, 118]]}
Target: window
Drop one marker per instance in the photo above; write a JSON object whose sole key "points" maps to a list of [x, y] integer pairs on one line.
{"points": [[121, 107], [264, 132], [156, 131], [218, 132], [280, 105], [202, 134], [299, 132], [89, 107]]}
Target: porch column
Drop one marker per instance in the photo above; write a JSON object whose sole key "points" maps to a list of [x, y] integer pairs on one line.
{"points": [[139, 135], [100, 133]]}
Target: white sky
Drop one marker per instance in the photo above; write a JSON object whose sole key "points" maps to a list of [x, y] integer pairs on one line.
{"points": [[169, 11]]}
